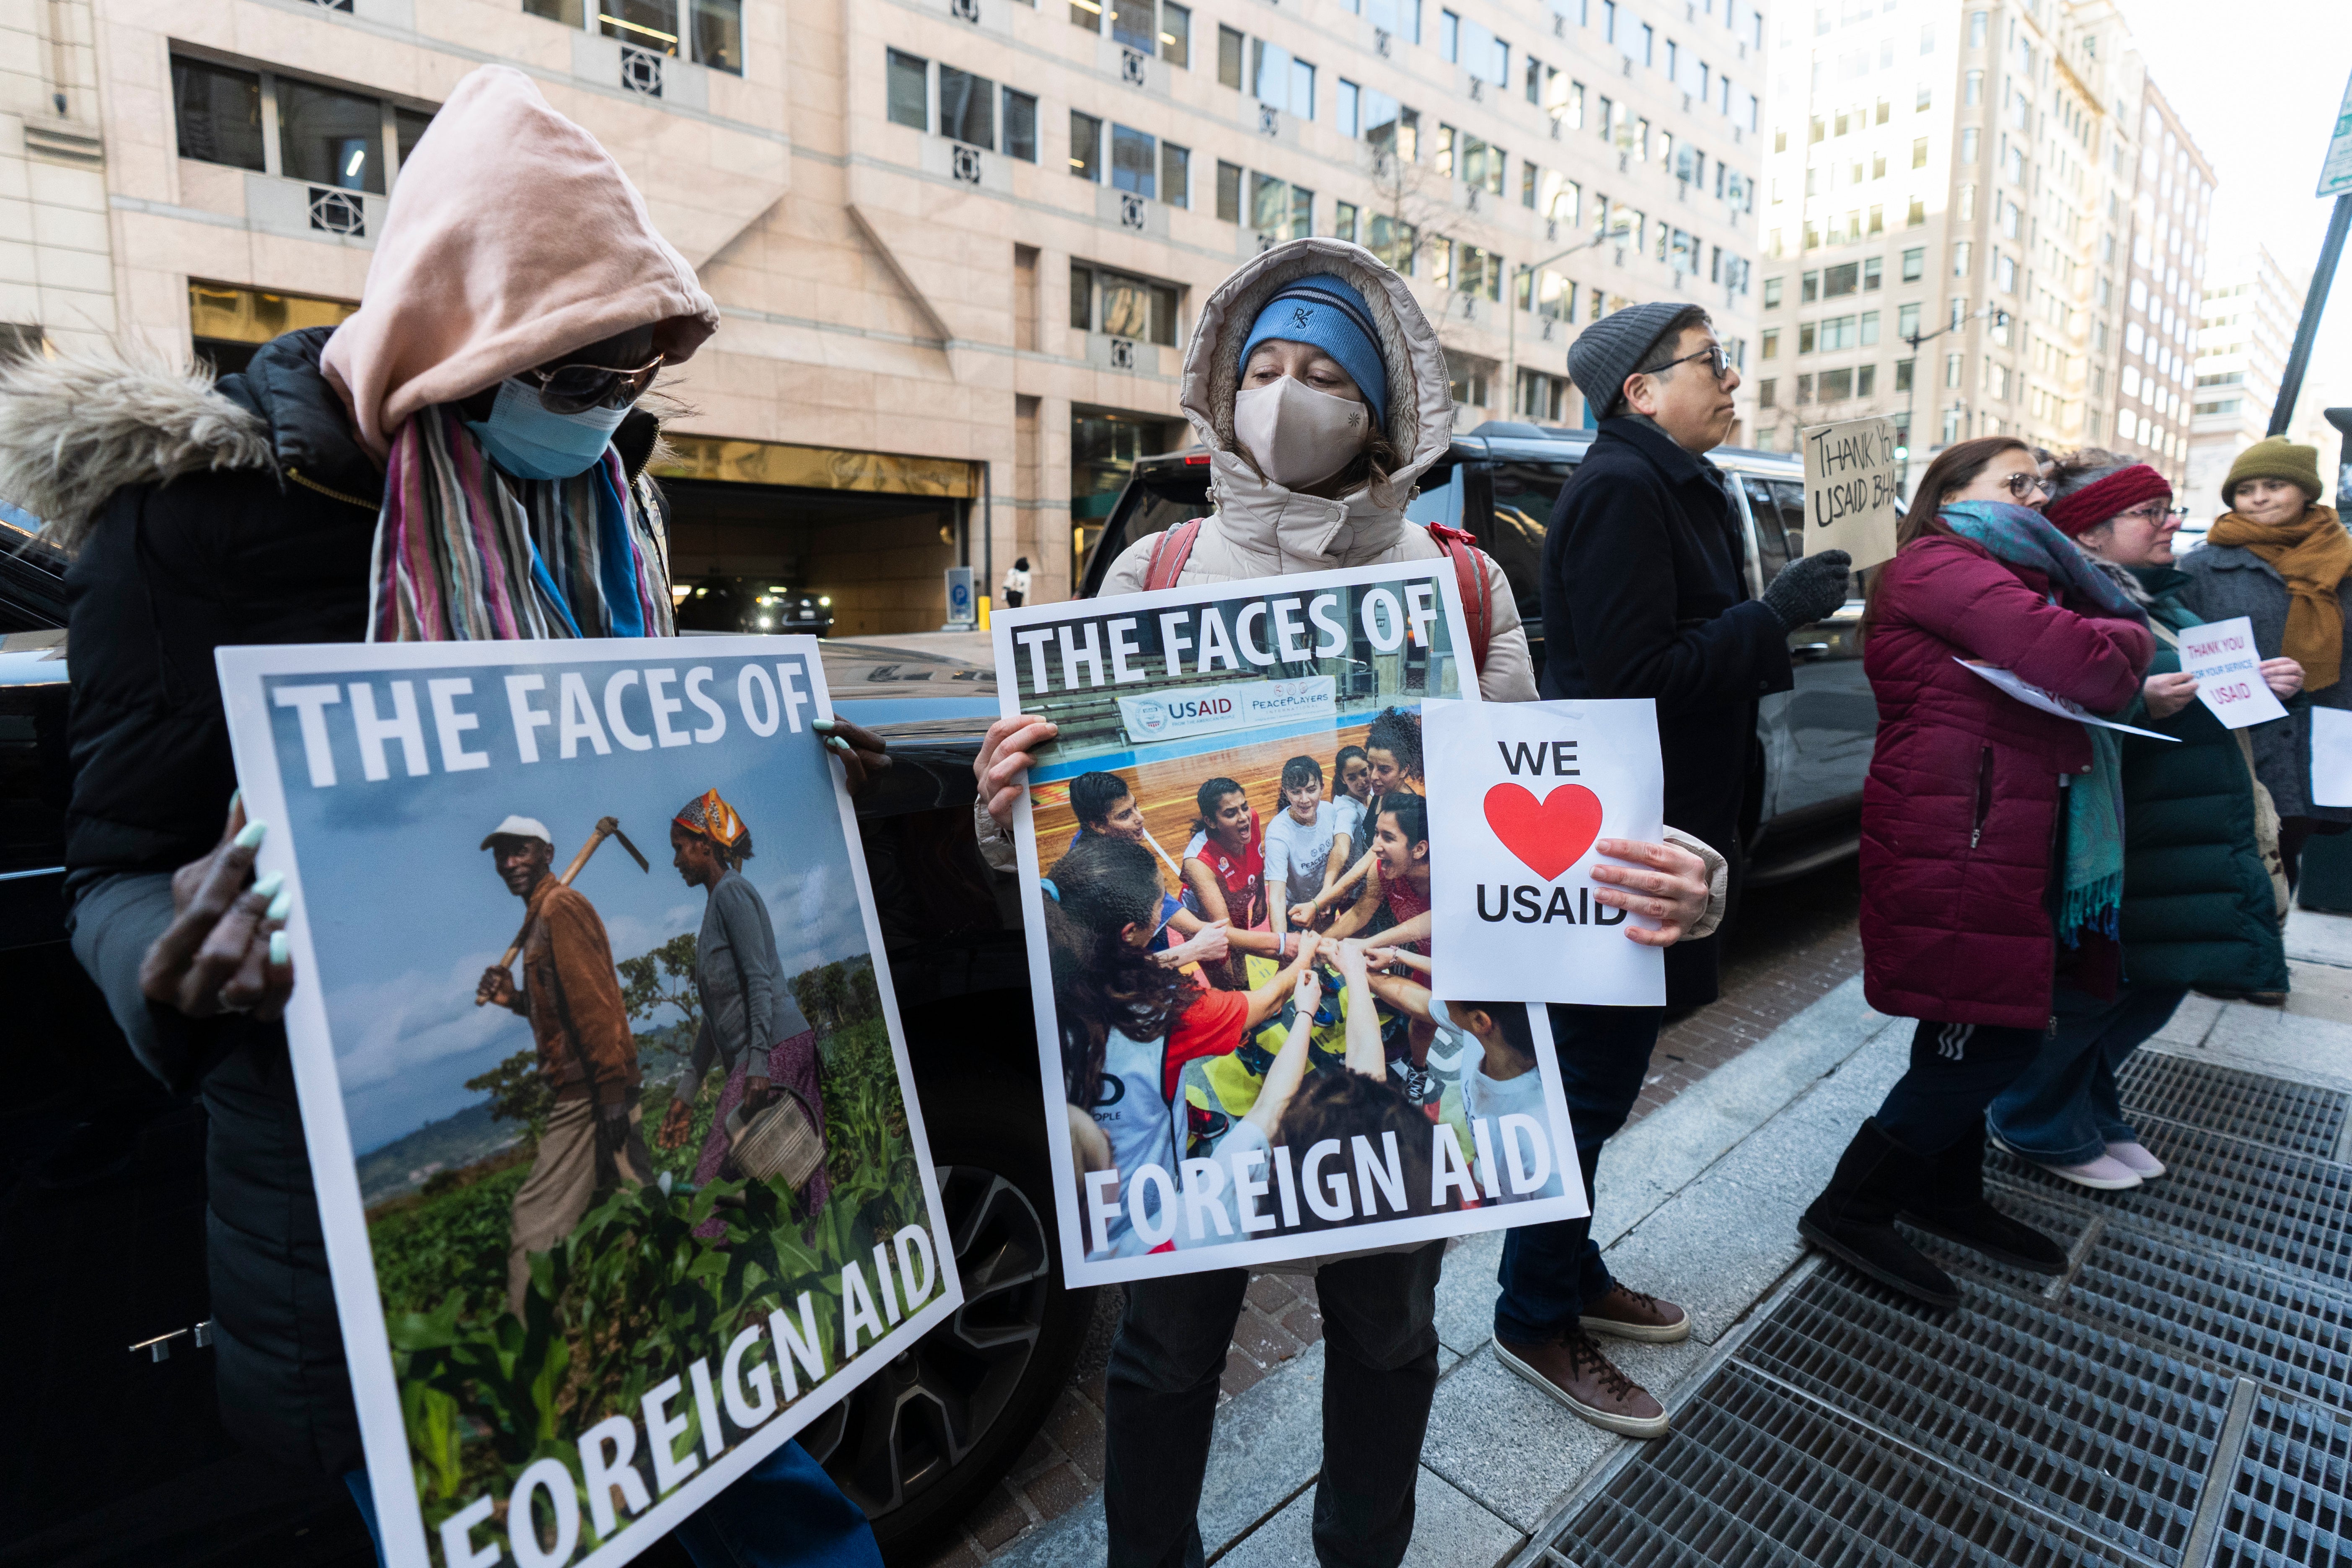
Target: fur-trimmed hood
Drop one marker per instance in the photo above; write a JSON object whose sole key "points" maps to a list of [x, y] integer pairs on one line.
{"points": [[76, 428], [1418, 421]]}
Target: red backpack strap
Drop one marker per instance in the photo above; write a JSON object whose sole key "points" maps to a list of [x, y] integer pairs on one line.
{"points": [[1477, 595], [1169, 553]]}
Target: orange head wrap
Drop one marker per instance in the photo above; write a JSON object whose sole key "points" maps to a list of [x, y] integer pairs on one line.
{"points": [[716, 820]]}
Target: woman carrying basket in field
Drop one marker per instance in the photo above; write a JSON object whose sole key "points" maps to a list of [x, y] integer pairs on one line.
{"points": [[739, 981]]}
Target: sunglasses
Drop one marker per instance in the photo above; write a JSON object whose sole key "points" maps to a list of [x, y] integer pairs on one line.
{"points": [[2022, 484], [1719, 363], [577, 388]]}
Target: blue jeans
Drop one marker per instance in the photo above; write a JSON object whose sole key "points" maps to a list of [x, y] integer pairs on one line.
{"points": [[783, 1512], [2064, 1110], [1550, 1271]]}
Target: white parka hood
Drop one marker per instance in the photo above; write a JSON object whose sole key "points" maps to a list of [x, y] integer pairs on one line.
{"points": [[1255, 512]]}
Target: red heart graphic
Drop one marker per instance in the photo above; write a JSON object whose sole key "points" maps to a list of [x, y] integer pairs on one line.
{"points": [[1549, 835]]}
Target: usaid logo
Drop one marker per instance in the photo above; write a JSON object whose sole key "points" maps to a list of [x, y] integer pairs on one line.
{"points": [[1194, 710], [1148, 717]]}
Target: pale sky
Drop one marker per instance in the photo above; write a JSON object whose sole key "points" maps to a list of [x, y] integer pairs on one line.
{"points": [[2258, 83]]}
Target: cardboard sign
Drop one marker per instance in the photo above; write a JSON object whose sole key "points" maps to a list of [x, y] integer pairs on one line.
{"points": [[568, 1327], [1850, 476], [1212, 1099], [2051, 703], [2331, 756], [2222, 655], [1512, 872]]}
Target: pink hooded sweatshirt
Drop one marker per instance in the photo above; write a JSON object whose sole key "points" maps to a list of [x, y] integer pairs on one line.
{"points": [[513, 238]]}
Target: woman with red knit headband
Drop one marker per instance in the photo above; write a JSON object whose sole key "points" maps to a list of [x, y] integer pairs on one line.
{"points": [[2200, 908]]}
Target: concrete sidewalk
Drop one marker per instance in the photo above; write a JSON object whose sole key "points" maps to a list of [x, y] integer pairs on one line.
{"points": [[1697, 1203]]}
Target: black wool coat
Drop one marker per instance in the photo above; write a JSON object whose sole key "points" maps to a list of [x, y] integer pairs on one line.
{"points": [[1645, 594]]}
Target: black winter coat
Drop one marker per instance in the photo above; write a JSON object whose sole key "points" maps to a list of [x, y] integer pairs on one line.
{"points": [[169, 572], [1645, 596]]}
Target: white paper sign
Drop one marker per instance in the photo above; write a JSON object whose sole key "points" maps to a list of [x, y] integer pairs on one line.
{"points": [[2331, 756], [1538, 784], [2228, 667], [1850, 475], [2051, 703]]}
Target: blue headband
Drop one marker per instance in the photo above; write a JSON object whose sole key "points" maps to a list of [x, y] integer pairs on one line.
{"points": [[1325, 312]]}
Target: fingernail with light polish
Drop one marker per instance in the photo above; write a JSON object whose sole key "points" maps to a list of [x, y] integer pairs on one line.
{"points": [[283, 905], [281, 951], [821, 724], [251, 835], [838, 744], [269, 886]]}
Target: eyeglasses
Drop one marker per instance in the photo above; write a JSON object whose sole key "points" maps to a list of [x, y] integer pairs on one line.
{"points": [[2022, 484], [576, 389], [1719, 363], [2153, 514]]}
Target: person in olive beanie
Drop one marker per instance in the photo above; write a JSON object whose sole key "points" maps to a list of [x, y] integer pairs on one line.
{"points": [[2276, 459]]}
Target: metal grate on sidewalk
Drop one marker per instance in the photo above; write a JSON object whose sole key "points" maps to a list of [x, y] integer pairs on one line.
{"points": [[2290, 1504], [2298, 1116]]}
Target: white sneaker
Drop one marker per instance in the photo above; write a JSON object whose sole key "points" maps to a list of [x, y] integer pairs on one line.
{"points": [[2106, 1173], [1414, 1081], [2136, 1157]]}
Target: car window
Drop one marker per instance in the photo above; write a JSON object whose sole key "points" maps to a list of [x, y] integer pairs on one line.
{"points": [[1439, 499], [1525, 493], [1771, 540]]}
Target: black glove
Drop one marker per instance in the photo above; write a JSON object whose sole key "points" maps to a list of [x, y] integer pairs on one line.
{"points": [[1808, 589]]}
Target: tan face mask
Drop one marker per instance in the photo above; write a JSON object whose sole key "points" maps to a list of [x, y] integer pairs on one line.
{"points": [[1298, 436]]}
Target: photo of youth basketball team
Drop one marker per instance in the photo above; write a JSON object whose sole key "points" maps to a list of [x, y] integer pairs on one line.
{"points": [[1249, 1045]]}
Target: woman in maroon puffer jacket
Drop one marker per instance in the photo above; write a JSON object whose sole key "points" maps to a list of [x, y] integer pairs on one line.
{"points": [[1991, 847]]}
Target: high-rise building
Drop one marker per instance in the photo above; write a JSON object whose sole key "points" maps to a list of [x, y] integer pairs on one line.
{"points": [[2152, 358], [2245, 331], [1948, 218], [57, 276], [958, 244]]}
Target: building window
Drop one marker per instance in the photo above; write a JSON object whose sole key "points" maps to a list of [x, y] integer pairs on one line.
{"points": [[1917, 216], [1086, 146], [1768, 391], [1229, 57], [330, 138], [910, 91], [1395, 242], [1021, 125], [1906, 322], [1968, 150], [1869, 329], [1770, 341], [1087, 14], [1348, 107], [1132, 23], [1343, 221], [1481, 166], [1175, 174], [1772, 293], [1952, 363], [1960, 259], [1903, 375], [1229, 192], [1176, 33], [1390, 128], [326, 135], [1836, 385], [715, 28], [1134, 161], [1840, 280], [967, 108], [1804, 389], [1449, 37], [1872, 272], [1121, 306], [219, 113]]}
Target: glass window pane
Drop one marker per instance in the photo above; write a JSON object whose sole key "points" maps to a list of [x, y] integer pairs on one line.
{"points": [[1269, 203], [967, 108], [1134, 161], [1270, 81], [910, 90], [1131, 24], [1350, 101], [1229, 192], [1087, 14], [330, 138], [1163, 315], [1175, 175], [1229, 57], [1302, 89], [1082, 296], [409, 125], [648, 23], [1126, 306], [1175, 33], [564, 11], [718, 35], [1302, 212], [1343, 221], [1086, 146], [219, 113], [1020, 125]]}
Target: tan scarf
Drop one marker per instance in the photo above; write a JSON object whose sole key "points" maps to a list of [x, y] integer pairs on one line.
{"points": [[2314, 554]]}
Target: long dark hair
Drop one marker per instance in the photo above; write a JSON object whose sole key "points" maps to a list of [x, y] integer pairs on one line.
{"points": [[1100, 982], [1955, 468], [1397, 732], [1205, 801]]}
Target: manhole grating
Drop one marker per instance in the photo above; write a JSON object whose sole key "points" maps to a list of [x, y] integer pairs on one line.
{"points": [[2290, 1505], [2101, 1432], [2285, 1329], [1754, 1475], [2298, 1116]]}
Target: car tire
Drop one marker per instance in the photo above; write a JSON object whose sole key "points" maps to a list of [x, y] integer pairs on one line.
{"points": [[921, 1441]]}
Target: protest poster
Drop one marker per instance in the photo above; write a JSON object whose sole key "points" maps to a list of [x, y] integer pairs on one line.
{"points": [[1240, 771], [570, 1318], [2222, 655], [1850, 471], [2331, 756], [1543, 782], [2033, 695]]}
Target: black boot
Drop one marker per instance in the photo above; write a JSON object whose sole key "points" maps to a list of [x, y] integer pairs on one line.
{"points": [[1853, 1219], [1951, 1204]]}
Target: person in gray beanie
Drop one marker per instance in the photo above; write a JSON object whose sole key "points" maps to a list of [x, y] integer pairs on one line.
{"points": [[1645, 596]]}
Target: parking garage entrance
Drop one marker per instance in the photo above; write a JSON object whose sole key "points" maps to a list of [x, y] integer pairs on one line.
{"points": [[867, 536]]}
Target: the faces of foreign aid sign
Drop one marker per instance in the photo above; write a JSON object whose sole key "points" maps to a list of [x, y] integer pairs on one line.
{"points": [[566, 1330], [1200, 1117]]}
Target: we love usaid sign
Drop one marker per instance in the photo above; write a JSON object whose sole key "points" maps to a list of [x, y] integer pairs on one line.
{"points": [[1521, 795]]}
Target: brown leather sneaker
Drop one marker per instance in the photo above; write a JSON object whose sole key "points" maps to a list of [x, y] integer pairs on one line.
{"points": [[1635, 1315], [1572, 1370]]}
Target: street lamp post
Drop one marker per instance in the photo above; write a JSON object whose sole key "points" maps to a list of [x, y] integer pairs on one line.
{"points": [[1511, 315], [1911, 392]]}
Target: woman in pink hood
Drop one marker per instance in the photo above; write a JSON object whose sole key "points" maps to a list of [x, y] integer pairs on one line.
{"points": [[462, 458]]}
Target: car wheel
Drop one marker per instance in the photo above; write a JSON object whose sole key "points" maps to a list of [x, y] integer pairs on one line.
{"points": [[919, 1442]]}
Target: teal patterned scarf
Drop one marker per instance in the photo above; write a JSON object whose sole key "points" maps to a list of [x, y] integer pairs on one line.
{"points": [[2095, 804]]}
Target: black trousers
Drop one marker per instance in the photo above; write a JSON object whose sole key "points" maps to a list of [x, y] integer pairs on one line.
{"points": [[1956, 1071], [1379, 1375]]}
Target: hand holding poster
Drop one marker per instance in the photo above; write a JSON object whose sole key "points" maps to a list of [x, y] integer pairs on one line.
{"points": [[1244, 1061], [2222, 655], [1850, 475], [1546, 782], [609, 1225]]}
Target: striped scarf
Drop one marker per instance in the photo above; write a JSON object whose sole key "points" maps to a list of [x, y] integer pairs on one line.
{"points": [[464, 553]]}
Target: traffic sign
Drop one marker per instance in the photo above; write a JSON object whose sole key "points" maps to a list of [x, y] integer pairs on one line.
{"points": [[2335, 174]]}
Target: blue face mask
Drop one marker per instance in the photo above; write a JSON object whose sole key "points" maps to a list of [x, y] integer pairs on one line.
{"points": [[528, 441]]}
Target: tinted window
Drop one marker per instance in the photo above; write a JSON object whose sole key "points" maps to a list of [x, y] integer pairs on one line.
{"points": [[1780, 532], [330, 138], [219, 113], [1439, 500], [1525, 493]]}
